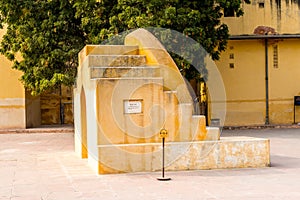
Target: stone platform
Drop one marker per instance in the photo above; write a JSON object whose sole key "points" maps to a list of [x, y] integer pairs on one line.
{"points": [[228, 152]]}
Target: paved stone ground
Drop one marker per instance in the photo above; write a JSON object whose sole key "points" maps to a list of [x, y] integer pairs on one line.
{"points": [[43, 166]]}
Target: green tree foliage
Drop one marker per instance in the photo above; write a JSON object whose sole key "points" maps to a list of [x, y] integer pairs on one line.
{"points": [[48, 34]]}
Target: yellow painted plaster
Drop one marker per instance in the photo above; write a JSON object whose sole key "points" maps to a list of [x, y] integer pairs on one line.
{"points": [[245, 83], [284, 19], [10, 86]]}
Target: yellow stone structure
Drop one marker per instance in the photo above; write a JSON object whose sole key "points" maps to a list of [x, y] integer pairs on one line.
{"points": [[264, 44], [126, 94]]}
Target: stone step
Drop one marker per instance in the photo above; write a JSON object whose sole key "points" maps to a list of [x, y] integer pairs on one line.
{"points": [[199, 131], [116, 60], [185, 118], [111, 50], [117, 72]]}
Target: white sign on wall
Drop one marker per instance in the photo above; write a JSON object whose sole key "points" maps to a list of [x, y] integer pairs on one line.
{"points": [[133, 106]]}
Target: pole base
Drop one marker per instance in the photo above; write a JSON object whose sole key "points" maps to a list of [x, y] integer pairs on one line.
{"points": [[163, 179]]}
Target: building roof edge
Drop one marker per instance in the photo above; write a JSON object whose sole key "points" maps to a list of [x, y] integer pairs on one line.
{"points": [[253, 37]]}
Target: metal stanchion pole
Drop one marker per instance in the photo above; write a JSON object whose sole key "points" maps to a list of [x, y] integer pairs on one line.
{"points": [[163, 134]]}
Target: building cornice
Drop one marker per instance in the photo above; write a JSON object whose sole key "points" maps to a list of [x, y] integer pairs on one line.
{"points": [[255, 37]]}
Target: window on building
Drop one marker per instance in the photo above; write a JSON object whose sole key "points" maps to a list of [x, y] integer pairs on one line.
{"points": [[275, 56], [261, 4], [229, 13], [231, 57]]}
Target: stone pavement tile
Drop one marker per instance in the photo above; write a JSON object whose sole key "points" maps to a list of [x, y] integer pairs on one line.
{"points": [[262, 196], [60, 195], [5, 192], [104, 194], [41, 191], [23, 177], [25, 191], [251, 187], [7, 162], [147, 187], [26, 198], [6, 176], [87, 185]]}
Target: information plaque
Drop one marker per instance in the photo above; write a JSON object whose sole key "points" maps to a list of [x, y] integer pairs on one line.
{"points": [[297, 100], [133, 106]]}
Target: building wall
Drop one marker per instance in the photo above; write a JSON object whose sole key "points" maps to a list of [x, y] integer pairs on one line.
{"points": [[242, 67], [282, 15], [244, 82], [18, 109], [284, 82], [12, 96]]}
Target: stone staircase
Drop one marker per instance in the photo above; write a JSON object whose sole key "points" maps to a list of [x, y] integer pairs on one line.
{"points": [[121, 75], [130, 65], [134, 66]]}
